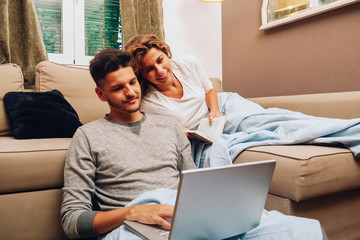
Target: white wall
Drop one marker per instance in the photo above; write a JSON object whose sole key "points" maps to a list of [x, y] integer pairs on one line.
{"points": [[194, 27]]}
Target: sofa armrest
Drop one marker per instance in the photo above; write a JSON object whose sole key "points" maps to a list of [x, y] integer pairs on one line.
{"points": [[343, 105]]}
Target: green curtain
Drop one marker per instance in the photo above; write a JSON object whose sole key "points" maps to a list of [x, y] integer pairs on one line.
{"points": [[21, 41], [141, 17]]}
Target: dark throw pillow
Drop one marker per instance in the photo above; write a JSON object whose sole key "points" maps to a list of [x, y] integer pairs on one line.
{"points": [[40, 115]]}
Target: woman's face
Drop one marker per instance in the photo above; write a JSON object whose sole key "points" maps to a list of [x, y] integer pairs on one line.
{"points": [[157, 68]]}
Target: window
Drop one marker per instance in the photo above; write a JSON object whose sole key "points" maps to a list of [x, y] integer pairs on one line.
{"points": [[278, 9], [74, 31], [279, 12]]}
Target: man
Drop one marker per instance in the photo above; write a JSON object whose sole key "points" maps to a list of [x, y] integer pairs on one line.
{"points": [[112, 161]]}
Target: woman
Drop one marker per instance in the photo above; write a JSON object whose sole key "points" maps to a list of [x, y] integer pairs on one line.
{"points": [[180, 88]]}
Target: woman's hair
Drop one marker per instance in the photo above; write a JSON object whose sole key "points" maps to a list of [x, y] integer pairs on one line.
{"points": [[107, 61], [138, 46]]}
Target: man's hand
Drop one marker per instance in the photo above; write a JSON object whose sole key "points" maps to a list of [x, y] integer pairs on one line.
{"points": [[152, 214]]}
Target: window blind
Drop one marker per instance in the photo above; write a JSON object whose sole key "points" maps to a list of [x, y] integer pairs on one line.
{"points": [[49, 14], [102, 25]]}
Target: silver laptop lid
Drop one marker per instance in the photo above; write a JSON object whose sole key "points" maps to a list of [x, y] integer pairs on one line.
{"points": [[220, 202]]}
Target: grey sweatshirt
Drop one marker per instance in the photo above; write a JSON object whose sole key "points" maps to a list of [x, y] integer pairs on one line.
{"points": [[110, 163]]}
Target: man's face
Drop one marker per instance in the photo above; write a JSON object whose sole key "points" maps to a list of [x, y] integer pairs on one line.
{"points": [[122, 92]]}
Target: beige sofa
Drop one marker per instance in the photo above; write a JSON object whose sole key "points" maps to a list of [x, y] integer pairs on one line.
{"points": [[310, 181]]}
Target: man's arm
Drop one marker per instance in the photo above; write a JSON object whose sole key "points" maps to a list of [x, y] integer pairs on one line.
{"points": [[149, 214], [79, 188]]}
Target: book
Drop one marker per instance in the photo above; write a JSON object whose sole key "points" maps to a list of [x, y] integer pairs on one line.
{"points": [[208, 133]]}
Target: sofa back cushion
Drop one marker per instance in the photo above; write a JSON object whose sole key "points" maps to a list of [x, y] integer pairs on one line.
{"points": [[11, 80], [77, 86], [344, 105], [217, 84]]}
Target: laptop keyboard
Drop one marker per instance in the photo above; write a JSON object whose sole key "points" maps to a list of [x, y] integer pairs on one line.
{"points": [[164, 233]]}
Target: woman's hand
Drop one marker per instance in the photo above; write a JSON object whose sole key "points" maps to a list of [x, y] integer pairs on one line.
{"points": [[214, 114]]}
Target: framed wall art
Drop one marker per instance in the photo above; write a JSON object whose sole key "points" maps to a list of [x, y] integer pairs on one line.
{"points": [[279, 12]]}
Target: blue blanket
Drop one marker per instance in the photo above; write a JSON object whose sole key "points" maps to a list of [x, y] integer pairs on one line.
{"points": [[249, 125], [158, 196]]}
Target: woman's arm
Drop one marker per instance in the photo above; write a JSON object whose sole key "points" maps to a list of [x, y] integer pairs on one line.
{"points": [[212, 103]]}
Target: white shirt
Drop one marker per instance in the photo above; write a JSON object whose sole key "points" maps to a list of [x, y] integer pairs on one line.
{"points": [[191, 107]]}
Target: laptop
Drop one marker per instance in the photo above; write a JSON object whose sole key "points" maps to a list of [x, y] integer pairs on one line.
{"points": [[215, 203]]}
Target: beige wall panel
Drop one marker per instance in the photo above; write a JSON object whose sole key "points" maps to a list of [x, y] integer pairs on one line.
{"points": [[315, 55]]}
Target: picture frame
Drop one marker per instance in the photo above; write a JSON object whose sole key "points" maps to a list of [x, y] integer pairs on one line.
{"points": [[274, 17]]}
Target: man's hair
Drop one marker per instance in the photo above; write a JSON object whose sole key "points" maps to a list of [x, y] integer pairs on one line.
{"points": [[107, 61], [138, 46]]}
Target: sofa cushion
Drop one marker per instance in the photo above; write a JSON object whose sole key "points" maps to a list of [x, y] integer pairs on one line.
{"points": [[40, 115], [76, 84], [307, 171], [338, 213], [32, 164], [11, 79], [31, 215]]}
